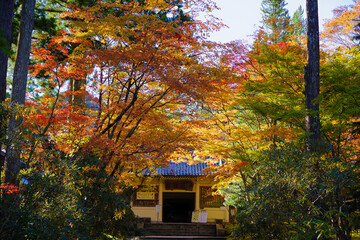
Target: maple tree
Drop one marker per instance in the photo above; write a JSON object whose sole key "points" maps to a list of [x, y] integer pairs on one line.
{"points": [[138, 74], [268, 108], [260, 133], [122, 82], [340, 93], [341, 31], [340, 83], [154, 46], [129, 85]]}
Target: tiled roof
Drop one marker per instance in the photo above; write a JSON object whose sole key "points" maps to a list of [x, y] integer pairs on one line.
{"points": [[182, 169]]}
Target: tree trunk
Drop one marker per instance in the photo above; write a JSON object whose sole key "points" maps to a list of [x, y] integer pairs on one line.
{"points": [[76, 99], [6, 18], [12, 161], [312, 77], [23, 52]]}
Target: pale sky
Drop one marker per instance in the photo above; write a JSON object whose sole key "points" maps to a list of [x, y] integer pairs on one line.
{"points": [[243, 16]]}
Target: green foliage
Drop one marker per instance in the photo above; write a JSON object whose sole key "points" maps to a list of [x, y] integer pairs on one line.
{"points": [[294, 196], [47, 21], [341, 84], [4, 116], [68, 201], [274, 89], [4, 46], [339, 98], [284, 193]]}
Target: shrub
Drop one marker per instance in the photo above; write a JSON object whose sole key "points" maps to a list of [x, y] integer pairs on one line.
{"points": [[296, 196]]}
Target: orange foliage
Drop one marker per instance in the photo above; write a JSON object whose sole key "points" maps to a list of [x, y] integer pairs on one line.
{"points": [[341, 29], [139, 81]]}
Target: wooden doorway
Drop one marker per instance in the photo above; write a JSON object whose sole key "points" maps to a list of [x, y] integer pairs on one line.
{"points": [[178, 206]]}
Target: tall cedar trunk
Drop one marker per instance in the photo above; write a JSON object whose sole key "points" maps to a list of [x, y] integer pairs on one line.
{"points": [[6, 18], [12, 161], [312, 77]]}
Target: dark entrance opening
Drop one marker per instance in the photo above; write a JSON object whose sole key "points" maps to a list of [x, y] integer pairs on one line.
{"points": [[178, 207]]}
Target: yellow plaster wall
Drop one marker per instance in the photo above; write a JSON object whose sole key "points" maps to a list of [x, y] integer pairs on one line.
{"points": [[146, 212], [217, 213]]}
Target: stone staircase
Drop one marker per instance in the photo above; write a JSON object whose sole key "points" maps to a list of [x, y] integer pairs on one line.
{"points": [[177, 231]]}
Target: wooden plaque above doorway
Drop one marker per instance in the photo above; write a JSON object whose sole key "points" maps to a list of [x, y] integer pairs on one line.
{"points": [[186, 185]]}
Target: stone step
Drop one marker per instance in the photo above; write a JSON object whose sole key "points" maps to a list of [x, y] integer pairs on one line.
{"points": [[182, 237], [180, 229]]}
